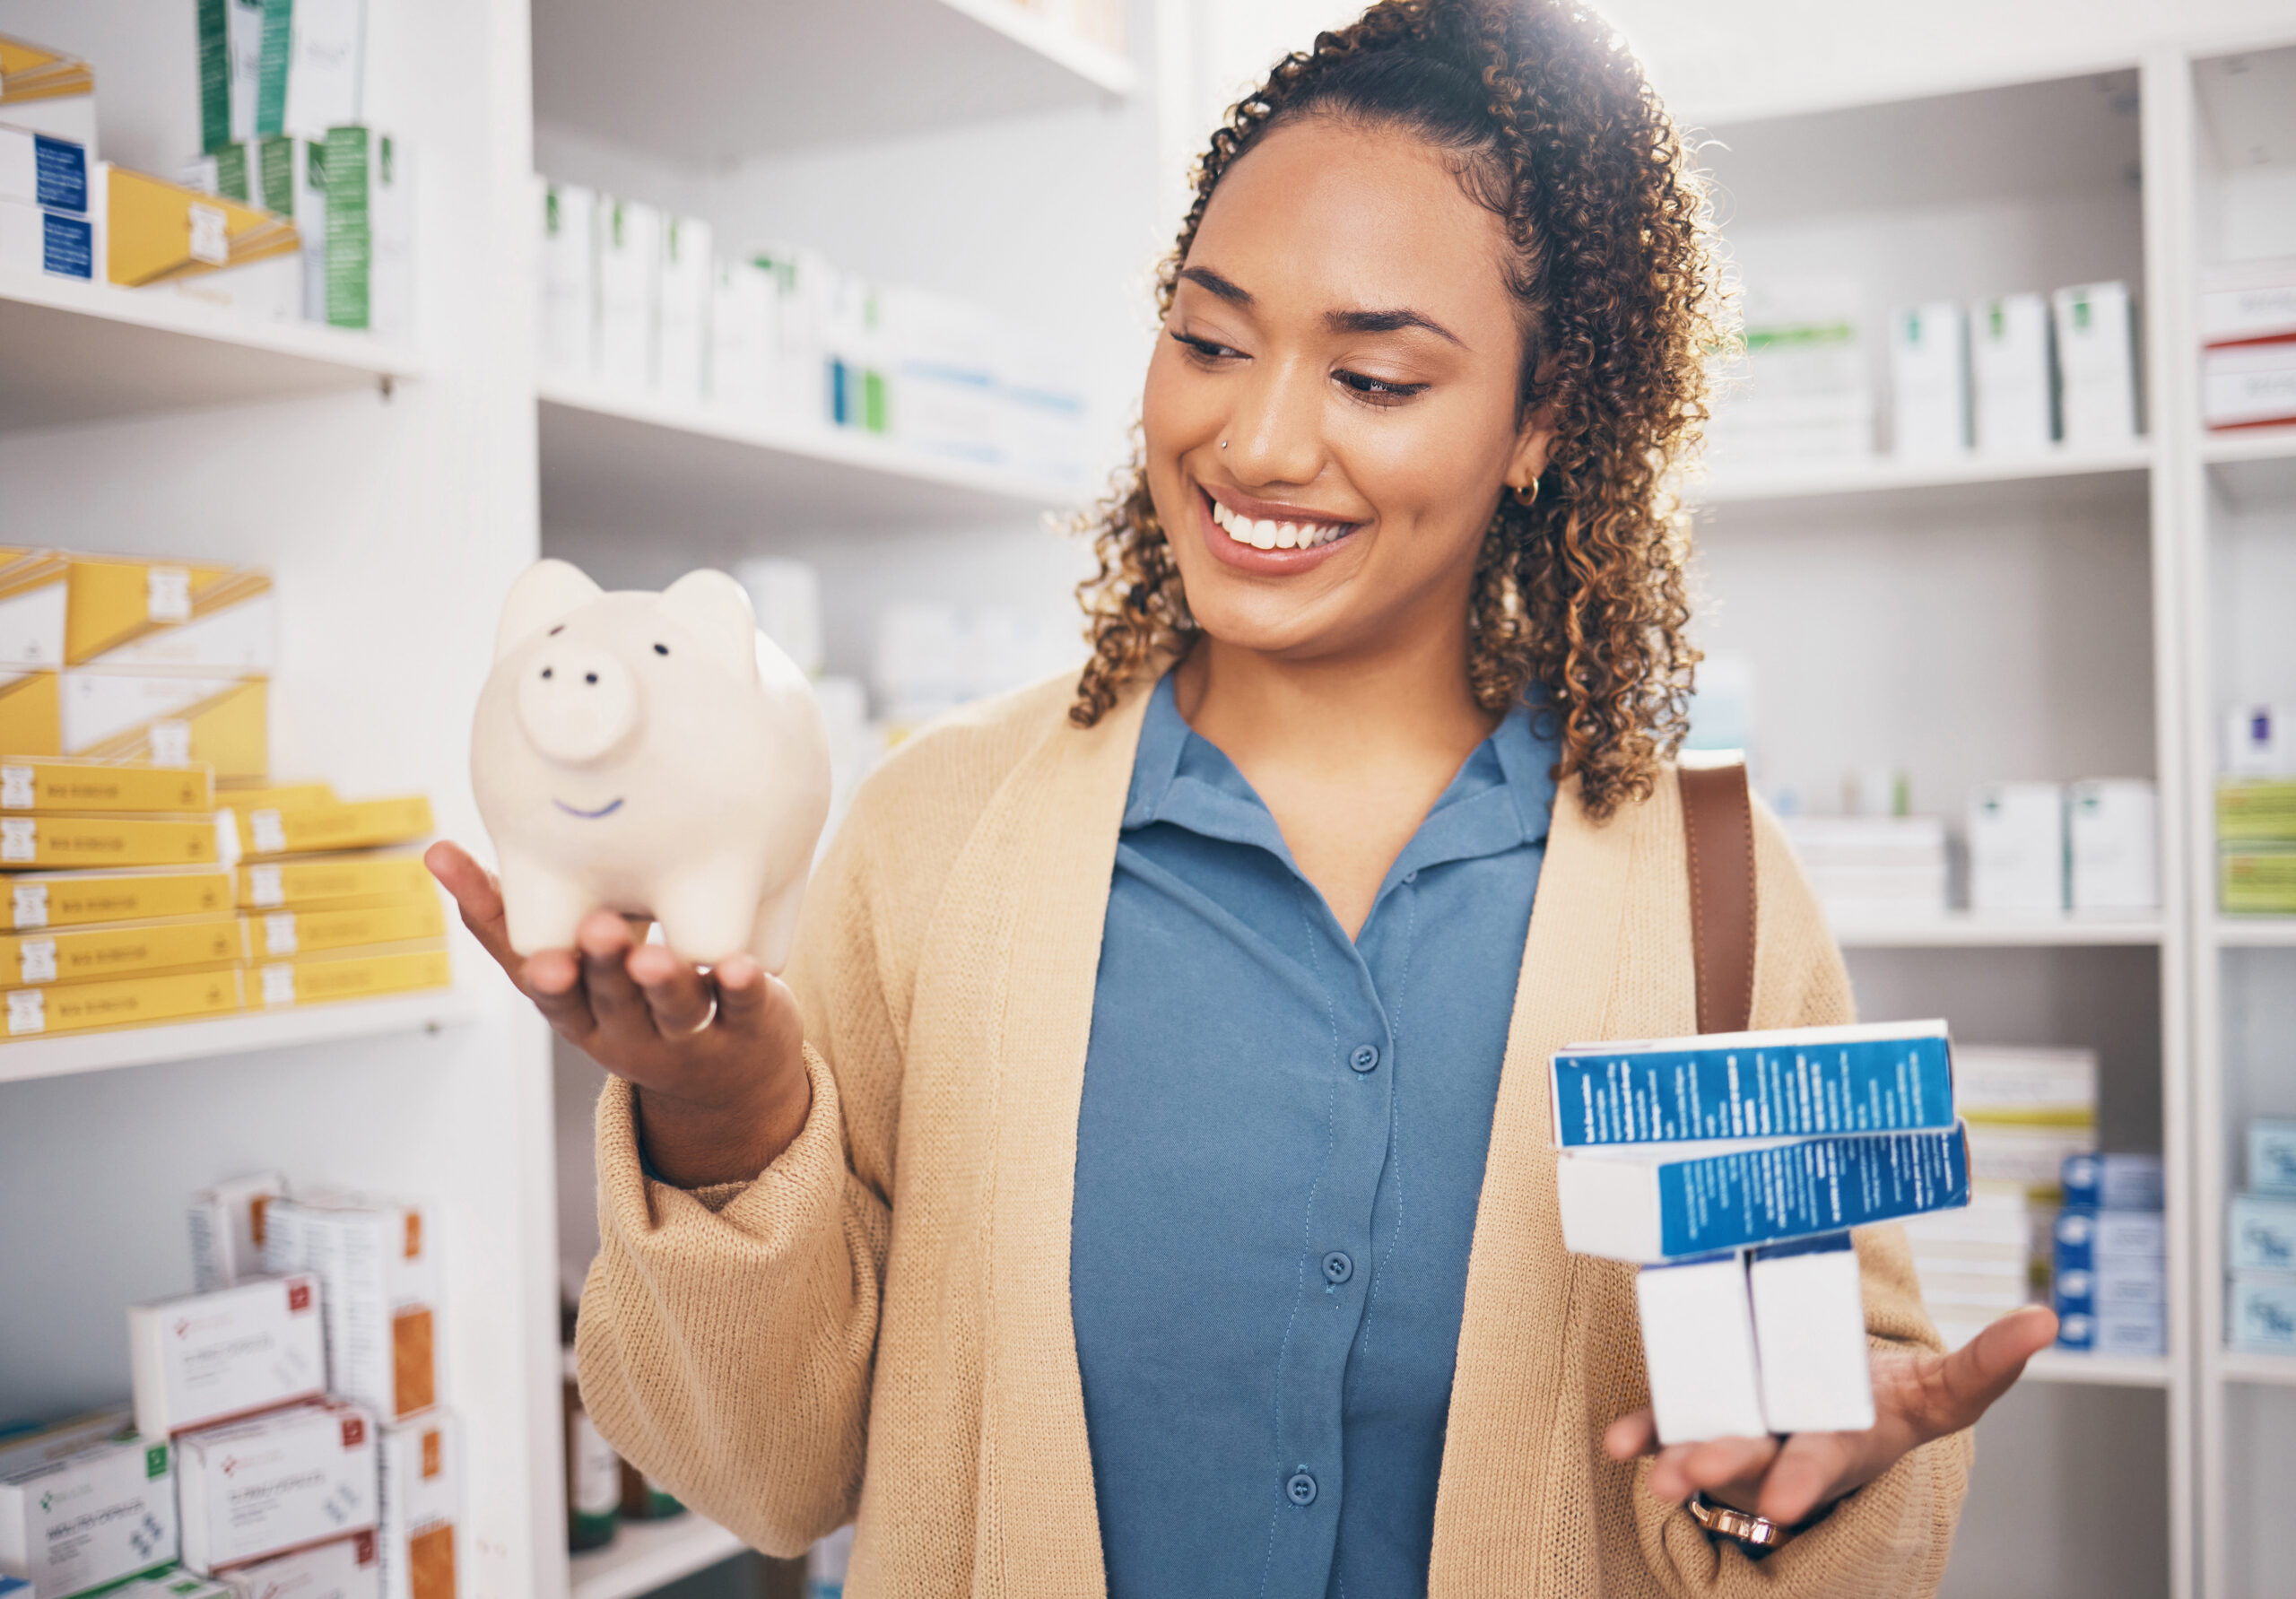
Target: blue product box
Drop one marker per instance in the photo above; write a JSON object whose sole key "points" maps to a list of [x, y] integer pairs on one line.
{"points": [[39, 169], [2260, 1312], [2115, 1182], [2271, 1155], [34, 238], [2135, 1331], [2118, 1286], [2260, 1233], [2088, 1241]]}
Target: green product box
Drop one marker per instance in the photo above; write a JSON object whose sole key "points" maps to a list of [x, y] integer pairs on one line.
{"points": [[369, 216], [2255, 808]]}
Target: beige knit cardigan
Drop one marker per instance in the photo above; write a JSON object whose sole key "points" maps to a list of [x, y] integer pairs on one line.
{"points": [[879, 1324]]}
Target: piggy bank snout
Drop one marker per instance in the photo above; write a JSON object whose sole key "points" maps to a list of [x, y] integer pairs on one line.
{"points": [[577, 704]]}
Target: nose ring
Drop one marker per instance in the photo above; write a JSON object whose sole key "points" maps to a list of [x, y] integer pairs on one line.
{"points": [[1223, 444]]}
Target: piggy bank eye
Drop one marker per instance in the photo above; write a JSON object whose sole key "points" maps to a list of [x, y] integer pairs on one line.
{"points": [[545, 672], [556, 630], [661, 649]]}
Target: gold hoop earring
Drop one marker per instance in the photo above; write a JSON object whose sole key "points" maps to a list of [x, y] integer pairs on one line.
{"points": [[1526, 499]]}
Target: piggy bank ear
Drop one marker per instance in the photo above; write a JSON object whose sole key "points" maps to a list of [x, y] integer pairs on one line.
{"points": [[718, 611], [545, 592]]}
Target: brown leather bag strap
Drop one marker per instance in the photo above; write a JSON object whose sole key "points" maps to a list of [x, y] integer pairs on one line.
{"points": [[1718, 826]]}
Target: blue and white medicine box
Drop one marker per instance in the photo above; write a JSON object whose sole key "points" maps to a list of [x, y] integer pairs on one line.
{"points": [[36, 239], [2090, 1240], [2260, 1314], [2260, 1233], [2135, 1331], [2271, 1155], [36, 169], [2113, 1182]]}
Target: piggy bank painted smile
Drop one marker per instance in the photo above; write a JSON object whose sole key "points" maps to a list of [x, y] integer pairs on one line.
{"points": [[652, 754]]}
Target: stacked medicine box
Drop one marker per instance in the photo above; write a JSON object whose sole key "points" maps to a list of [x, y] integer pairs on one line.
{"points": [[286, 1438], [2041, 850], [2110, 1284], [1732, 1166], [2260, 1244], [2256, 835], [152, 872], [2247, 334]]}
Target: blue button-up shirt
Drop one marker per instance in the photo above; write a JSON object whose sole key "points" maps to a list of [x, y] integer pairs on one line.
{"points": [[1279, 1155]]}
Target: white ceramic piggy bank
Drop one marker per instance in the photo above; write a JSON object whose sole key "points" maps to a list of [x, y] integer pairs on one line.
{"points": [[653, 754]]}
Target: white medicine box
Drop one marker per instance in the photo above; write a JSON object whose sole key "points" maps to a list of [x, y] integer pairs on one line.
{"points": [[1697, 1345], [1929, 380], [2113, 844], [2017, 848], [259, 1489], [2096, 354], [2012, 389], [205, 1357]]}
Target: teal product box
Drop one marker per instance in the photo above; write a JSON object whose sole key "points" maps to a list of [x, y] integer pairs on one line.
{"points": [[1793, 1082], [2260, 1233], [2260, 1312], [2113, 1182], [2271, 1155]]}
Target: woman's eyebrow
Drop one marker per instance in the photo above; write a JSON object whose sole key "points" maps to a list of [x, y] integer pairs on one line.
{"points": [[1388, 322], [1203, 277]]}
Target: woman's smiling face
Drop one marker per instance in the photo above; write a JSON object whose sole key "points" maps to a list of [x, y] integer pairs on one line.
{"points": [[1332, 409]]}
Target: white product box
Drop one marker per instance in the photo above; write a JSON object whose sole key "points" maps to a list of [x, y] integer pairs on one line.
{"points": [[377, 1268], [2096, 356], [570, 307], [2024, 1082], [1809, 1335], [422, 1508], [1872, 868], [2260, 1233], [205, 1357], [2248, 384], [629, 244], [2014, 396], [685, 276], [39, 169], [227, 1229], [2248, 300], [35, 239], [1929, 380], [1697, 1342], [327, 64], [742, 307], [175, 1583], [2112, 836], [2116, 1285], [2114, 1181], [2017, 848], [2271, 1155], [2129, 1331], [57, 1440], [2260, 1314], [2260, 741], [339, 1569], [258, 1489], [71, 1525]]}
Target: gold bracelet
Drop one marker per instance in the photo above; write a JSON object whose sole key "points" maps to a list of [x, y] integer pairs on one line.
{"points": [[1753, 1531]]}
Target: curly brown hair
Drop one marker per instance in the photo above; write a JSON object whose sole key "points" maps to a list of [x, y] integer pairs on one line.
{"points": [[1550, 124]]}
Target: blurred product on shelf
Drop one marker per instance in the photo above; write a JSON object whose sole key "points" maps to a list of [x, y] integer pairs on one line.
{"points": [[378, 1286], [151, 233], [122, 1491], [1804, 394], [370, 258], [1872, 869], [1098, 22], [343, 1567], [45, 226], [269, 67], [2256, 845], [132, 894], [645, 1500], [2096, 361], [90, 954], [93, 787], [2017, 848], [421, 1491], [1974, 1264], [1929, 381], [2113, 832], [333, 883], [931, 657], [633, 302], [827, 1563], [227, 1224], [787, 595], [2110, 1283], [592, 1471], [202, 1360], [2247, 334], [2260, 1244], [254, 1489], [2259, 741], [46, 91], [341, 825], [2012, 382], [34, 588]]}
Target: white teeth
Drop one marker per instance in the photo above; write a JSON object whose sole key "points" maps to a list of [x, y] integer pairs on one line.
{"points": [[1273, 535], [1287, 537], [1263, 536]]}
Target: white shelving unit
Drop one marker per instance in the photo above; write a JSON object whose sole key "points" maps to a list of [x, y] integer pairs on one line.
{"points": [[2111, 1371], [646, 1555], [1888, 475], [22, 1059], [1960, 930]]}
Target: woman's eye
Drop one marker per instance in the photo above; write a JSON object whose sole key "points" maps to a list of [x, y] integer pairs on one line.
{"points": [[1205, 350], [1378, 390]]}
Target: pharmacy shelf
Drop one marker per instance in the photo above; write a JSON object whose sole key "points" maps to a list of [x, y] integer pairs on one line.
{"points": [[687, 90], [1886, 474], [639, 463], [2269, 933], [1967, 930], [24, 1058], [2111, 1371], [646, 1554], [2244, 1366], [73, 352], [2248, 444]]}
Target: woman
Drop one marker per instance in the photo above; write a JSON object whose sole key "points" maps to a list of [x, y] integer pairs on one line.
{"points": [[1141, 1185]]}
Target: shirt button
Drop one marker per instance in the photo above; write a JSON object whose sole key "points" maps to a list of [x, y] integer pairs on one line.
{"points": [[1365, 1057], [1301, 1490], [1411, 876], [1337, 1267]]}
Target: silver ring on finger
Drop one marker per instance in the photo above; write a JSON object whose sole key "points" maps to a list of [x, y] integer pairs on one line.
{"points": [[702, 1026]]}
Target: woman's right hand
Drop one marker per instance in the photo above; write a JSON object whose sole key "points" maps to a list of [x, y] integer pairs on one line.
{"points": [[717, 1056]]}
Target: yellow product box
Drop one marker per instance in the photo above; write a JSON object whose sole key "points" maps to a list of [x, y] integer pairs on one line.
{"points": [[311, 981], [168, 719], [338, 881], [32, 605], [123, 1002], [2256, 809], [158, 234], [91, 954], [347, 824], [2258, 880], [136, 613], [32, 713], [47, 92], [282, 932], [243, 795], [88, 787], [84, 898], [209, 841]]}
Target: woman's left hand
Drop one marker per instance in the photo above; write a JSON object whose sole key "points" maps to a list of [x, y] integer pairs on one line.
{"points": [[1918, 1396]]}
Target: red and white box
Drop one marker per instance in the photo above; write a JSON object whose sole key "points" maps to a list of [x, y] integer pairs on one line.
{"points": [[210, 1358], [262, 1488], [341, 1568], [2247, 334]]}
